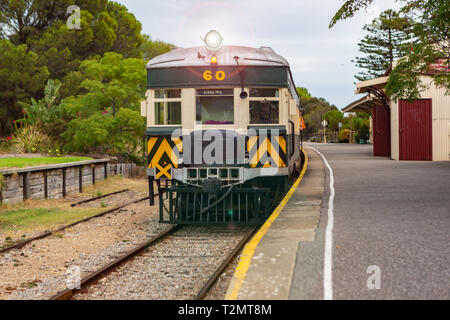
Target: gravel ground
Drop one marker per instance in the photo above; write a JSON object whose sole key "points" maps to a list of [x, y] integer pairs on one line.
{"points": [[220, 288], [38, 270], [175, 268], [138, 190]]}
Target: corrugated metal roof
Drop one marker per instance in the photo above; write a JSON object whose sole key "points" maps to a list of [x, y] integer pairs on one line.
{"points": [[190, 57]]}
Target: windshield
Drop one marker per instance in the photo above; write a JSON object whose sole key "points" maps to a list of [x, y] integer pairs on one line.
{"points": [[217, 109]]}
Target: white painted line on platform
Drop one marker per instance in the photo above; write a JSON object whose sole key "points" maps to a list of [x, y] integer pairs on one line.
{"points": [[328, 257]]}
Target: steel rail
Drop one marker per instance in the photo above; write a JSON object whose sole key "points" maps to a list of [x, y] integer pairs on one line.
{"points": [[219, 271], [67, 294], [21, 244], [97, 198]]}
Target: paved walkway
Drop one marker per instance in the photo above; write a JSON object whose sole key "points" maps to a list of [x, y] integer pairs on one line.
{"points": [[390, 236], [391, 219], [21, 155], [272, 265]]}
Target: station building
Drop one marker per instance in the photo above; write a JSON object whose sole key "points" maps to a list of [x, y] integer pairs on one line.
{"points": [[402, 130]]}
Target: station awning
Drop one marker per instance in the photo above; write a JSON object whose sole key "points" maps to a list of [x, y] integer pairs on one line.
{"points": [[374, 89], [368, 85], [361, 105]]}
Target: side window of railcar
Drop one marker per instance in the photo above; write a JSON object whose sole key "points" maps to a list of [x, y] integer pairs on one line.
{"points": [[264, 106], [168, 107], [215, 106]]}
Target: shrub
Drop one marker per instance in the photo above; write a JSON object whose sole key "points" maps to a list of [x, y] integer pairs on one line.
{"points": [[119, 136], [344, 136], [5, 144], [45, 114], [361, 126], [31, 139]]}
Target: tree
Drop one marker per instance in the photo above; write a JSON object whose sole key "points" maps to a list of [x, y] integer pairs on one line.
{"points": [[430, 55], [387, 39], [110, 83], [42, 25], [106, 117], [103, 133], [348, 10], [20, 78], [361, 124], [24, 18], [152, 48], [431, 52], [314, 111], [333, 117], [128, 32], [57, 52], [304, 93]]}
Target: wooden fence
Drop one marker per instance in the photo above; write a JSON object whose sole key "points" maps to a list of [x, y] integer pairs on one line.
{"points": [[57, 181]]}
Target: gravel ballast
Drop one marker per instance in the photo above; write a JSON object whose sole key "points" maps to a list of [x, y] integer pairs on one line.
{"points": [[38, 270], [175, 268]]}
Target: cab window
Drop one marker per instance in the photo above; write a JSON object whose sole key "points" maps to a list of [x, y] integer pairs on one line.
{"points": [[264, 106], [167, 107], [264, 93], [215, 106]]}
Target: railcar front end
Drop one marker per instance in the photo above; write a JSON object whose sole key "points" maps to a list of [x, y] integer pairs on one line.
{"points": [[223, 134]]}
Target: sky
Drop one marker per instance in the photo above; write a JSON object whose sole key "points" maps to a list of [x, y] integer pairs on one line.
{"points": [[320, 57]]}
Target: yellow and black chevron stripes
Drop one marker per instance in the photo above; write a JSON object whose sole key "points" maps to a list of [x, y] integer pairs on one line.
{"points": [[266, 152], [162, 155]]}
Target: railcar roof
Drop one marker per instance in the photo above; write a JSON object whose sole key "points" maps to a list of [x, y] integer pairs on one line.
{"points": [[189, 57], [200, 57]]}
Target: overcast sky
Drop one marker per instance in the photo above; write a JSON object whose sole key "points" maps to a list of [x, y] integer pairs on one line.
{"points": [[320, 58]]}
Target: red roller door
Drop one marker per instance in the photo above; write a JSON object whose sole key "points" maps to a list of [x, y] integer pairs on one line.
{"points": [[381, 117], [415, 130]]}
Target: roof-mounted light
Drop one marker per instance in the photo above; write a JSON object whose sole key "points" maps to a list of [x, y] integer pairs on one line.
{"points": [[213, 41]]}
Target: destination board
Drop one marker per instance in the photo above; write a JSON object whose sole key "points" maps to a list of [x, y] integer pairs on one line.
{"points": [[215, 92], [216, 76]]}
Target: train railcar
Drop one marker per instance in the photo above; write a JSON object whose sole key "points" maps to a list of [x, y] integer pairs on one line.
{"points": [[223, 137]]}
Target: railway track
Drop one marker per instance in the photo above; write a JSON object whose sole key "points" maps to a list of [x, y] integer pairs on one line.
{"points": [[46, 234], [99, 197], [162, 249]]}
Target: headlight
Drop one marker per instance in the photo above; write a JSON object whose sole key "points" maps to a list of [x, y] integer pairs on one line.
{"points": [[180, 161], [213, 41]]}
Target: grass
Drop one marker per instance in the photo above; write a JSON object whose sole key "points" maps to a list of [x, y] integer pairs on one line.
{"points": [[30, 162], [30, 218], [115, 183], [37, 216]]}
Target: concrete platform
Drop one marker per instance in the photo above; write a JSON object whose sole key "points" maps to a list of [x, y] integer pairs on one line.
{"points": [[393, 216], [268, 273]]}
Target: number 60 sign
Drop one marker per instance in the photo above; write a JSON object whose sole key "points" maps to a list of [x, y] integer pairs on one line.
{"points": [[219, 75]]}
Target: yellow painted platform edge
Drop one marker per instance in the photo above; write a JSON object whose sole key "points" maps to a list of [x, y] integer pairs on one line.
{"points": [[249, 250]]}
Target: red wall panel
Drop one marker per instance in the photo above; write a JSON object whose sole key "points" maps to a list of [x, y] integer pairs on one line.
{"points": [[381, 117], [415, 130]]}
